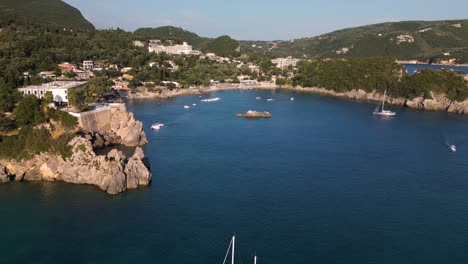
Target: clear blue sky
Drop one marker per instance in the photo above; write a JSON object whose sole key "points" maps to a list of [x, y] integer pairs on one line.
{"points": [[263, 20]]}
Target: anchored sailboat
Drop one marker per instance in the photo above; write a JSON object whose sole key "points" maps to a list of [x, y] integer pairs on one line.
{"points": [[380, 109], [231, 247]]}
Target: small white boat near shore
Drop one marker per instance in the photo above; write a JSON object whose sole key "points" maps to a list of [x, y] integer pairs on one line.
{"points": [[157, 126], [211, 100], [186, 107], [270, 100], [194, 104], [258, 98]]}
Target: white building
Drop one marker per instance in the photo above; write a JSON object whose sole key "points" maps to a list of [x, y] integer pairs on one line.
{"points": [[59, 90], [184, 49], [285, 62], [138, 43], [88, 65]]}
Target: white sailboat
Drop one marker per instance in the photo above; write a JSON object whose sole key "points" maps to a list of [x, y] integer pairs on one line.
{"points": [[231, 247], [380, 109]]}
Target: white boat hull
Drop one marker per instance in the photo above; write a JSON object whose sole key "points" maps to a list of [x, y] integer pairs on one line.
{"points": [[157, 126], [384, 113]]}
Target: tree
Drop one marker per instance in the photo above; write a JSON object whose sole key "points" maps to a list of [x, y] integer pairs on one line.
{"points": [[77, 98], [280, 81], [8, 97], [28, 111], [46, 101]]}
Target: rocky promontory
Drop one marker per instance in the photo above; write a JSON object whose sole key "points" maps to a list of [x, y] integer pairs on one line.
{"points": [[254, 114], [124, 125], [113, 173]]}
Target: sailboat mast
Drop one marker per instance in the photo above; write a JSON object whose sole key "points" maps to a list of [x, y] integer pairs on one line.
{"points": [[233, 245], [383, 100]]}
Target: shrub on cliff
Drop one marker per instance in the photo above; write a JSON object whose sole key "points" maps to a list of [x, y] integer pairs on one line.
{"points": [[30, 142], [65, 119]]}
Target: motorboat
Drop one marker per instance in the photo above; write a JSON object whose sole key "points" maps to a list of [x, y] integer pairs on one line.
{"points": [[157, 126], [258, 98], [186, 107], [270, 100], [453, 148], [211, 100], [292, 98]]}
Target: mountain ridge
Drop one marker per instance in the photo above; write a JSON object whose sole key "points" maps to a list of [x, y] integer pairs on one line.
{"points": [[416, 39], [51, 12]]}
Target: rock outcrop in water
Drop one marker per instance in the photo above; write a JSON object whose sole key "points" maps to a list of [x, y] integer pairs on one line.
{"points": [[254, 114], [113, 173]]}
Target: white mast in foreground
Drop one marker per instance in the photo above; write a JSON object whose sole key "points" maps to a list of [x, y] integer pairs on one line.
{"points": [[233, 245]]}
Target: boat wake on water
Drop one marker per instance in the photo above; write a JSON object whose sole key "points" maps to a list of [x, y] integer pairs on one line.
{"points": [[452, 143]]}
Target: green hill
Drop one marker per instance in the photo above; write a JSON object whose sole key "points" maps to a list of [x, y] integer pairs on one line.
{"points": [[222, 46], [404, 40], [171, 33], [54, 12]]}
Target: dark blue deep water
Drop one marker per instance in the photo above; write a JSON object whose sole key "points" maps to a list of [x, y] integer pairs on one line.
{"points": [[322, 181]]}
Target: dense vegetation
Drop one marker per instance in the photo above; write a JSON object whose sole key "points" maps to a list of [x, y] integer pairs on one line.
{"points": [[223, 46], [380, 74], [31, 141], [33, 137], [170, 33], [53, 12], [431, 39]]}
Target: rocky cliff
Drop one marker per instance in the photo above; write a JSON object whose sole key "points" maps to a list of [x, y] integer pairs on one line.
{"points": [[114, 122], [113, 173], [124, 125]]}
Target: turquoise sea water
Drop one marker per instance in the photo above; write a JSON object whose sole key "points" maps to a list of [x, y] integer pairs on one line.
{"points": [[322, 181]]}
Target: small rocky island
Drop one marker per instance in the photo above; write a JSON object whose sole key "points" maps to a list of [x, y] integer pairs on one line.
{"points": [[255, 114], [113, 172]]}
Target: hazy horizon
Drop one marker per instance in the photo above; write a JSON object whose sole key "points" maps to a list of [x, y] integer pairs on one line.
{"points": [[274, 20]]}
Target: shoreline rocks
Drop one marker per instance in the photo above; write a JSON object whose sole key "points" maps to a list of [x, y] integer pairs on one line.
{"points": [[439, 102], [113, 173], [254, 114], [3, 176]]}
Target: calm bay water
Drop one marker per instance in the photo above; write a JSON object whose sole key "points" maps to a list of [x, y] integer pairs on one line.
{"points": [[322, 181], [411, 68]]}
